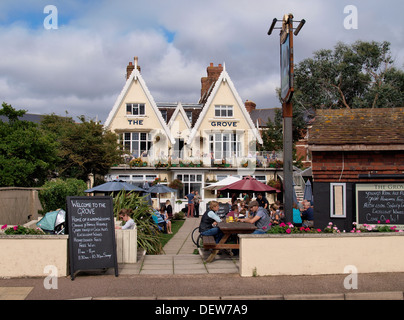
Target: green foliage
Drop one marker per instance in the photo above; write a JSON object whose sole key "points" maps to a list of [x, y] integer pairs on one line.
{"points": [[53, 193], [360, 75], [148, 236], [27, 154], [85, 147], [21, 230]]}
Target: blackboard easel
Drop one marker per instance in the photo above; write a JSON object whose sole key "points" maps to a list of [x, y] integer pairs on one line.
{"points": [[91, 229]]}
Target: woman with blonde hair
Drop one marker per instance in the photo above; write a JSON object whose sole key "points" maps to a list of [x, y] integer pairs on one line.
{"points": [[209, 221]]}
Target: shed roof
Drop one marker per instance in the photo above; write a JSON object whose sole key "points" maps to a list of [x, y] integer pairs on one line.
{"points": [[369, 126]]}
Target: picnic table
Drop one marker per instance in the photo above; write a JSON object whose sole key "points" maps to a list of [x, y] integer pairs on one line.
{"points": [[228, 228]]}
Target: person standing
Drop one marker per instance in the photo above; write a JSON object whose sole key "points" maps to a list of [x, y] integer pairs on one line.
{"points": [[197, 200], [190, 198], [262, 201]]}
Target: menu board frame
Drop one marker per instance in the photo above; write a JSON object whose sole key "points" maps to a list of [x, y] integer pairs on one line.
{"points": [[384, 203], [91, 229]]}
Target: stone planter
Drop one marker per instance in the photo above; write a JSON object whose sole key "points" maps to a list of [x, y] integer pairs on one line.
{"points": [[126, 245], [317, 254], [28, 255]]}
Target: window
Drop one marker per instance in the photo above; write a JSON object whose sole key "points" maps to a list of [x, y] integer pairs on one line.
{"points": [[189, 115], [224, 111], [225, 145], [135, 109], [137, 143], [190, 182], [338, 200]]}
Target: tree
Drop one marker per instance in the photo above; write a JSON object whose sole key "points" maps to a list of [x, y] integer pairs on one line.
{"points": [[85, 147], [53, 193], [27, 154], [361, 75]]}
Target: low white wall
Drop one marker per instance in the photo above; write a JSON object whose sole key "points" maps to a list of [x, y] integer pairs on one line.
{"points": [[316, 254], [28, 255]]}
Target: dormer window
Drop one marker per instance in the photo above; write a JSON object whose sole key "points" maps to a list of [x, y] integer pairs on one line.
{"points": [[135, 109], [224, 111]]}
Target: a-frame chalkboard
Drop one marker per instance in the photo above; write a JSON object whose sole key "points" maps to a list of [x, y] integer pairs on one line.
{"points": [[91, 232]]}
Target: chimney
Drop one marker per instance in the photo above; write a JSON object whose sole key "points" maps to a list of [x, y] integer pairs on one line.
{"points": [[250, 106], [131, 67], [129, 70], [206, 82]]}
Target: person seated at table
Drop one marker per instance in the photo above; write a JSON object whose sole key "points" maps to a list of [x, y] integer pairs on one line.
{"points": [[208, 225], [234, 212], [274, 216], [124, 215], [297, 216], [308, 215], [258, 216]]}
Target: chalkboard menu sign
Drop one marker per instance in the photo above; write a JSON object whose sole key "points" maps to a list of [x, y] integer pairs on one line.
{"points": [[224, 208], [91, 234], [382, 202]]}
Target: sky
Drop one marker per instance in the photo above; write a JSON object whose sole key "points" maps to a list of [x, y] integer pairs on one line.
{"points": [[80, 66]]}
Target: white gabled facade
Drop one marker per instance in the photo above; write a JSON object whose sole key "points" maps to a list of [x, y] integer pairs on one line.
{"points": [[195, 143]]}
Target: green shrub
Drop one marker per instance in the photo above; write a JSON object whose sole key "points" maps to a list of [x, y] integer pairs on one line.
{"points": [[53, 193], [148, 236]]}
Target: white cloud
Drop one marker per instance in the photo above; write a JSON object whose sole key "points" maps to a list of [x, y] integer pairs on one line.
{"points": [[81, 66]]}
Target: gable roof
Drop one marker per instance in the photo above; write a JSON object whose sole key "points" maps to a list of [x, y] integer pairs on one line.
{"points": [[136, 76], [261, 116], [381, 127], [224, 77], [179, 109]]}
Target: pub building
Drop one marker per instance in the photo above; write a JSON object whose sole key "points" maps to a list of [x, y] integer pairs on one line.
{"points": [[358, 166], [196, 143]]}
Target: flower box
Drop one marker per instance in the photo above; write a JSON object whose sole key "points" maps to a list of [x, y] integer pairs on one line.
{"points": [[322, 253], [28, 255]]}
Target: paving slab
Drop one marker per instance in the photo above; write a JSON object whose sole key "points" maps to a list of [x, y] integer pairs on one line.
{"points": [[374, 295], [14, 293]]}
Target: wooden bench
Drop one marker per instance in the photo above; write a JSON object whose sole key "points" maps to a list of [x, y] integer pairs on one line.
{"points": [[208, 242], [227, 229]]}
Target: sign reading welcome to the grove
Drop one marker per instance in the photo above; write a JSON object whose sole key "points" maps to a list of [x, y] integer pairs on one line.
{"points": [[91, 234], [380, 202]]}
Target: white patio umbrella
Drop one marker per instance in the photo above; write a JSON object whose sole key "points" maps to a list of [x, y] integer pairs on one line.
{"points": [[222, 183]]}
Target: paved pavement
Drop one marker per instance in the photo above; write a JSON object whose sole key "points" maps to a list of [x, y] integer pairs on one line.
{"points": [[180, 274]]}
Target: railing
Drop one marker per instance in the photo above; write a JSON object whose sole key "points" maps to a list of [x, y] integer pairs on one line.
{"points": [[258, 159]]}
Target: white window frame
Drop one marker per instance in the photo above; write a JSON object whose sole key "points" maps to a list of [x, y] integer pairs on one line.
{"points": [[225, 145], [134, 107], [132, 142], [332, 200], [223, 111]]}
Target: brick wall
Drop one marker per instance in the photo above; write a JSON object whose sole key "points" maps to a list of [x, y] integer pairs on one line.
{"points": [[346, 166]]}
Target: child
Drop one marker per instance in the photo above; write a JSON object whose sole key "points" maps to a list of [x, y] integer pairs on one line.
{"points": [[234, 212], [164, 215]]}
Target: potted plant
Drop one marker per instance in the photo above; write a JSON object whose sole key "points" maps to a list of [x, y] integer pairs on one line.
{"points": [[176, 184]]}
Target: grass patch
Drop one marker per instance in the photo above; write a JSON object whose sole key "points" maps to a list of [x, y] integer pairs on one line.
{"points": [[175, 226]]}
